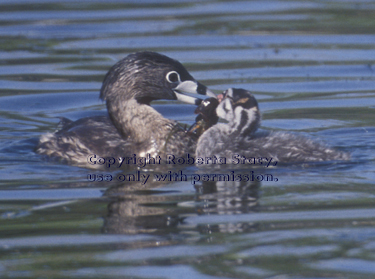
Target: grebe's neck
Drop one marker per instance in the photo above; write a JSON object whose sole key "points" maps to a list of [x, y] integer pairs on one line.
{"points": [[140, 122]]}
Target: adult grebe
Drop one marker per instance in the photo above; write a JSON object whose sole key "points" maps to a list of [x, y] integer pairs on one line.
{"points": [[132, 125], [238, 138]]}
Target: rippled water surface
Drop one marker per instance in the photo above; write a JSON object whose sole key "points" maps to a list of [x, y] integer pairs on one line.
{"points": [[309, 64]]}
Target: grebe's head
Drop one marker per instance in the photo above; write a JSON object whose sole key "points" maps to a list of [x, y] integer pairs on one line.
{"points": [[147, 76], [207, 110], [240, 108], [207, 116]]}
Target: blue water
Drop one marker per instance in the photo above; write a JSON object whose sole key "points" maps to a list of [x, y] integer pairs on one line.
{"points": [[310, 65]]}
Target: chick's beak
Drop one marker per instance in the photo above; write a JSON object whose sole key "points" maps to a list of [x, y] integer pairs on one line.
{"points": [[220, 97]]}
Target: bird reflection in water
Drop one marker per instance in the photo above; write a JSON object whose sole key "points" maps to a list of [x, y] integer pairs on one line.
{"points": [[135, 209]]}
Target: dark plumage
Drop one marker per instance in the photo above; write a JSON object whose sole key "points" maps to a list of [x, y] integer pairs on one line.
{"points": [[132, 125]]}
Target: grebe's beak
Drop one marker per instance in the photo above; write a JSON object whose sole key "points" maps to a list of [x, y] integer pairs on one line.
{"points": [[188, 91]]}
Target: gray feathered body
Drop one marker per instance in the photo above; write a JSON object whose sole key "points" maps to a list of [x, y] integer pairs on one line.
{"points": [[240, 136], [282, 147], [78, 140]]}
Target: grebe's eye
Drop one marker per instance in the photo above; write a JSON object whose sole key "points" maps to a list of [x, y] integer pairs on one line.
{"points": [[172, 77]]}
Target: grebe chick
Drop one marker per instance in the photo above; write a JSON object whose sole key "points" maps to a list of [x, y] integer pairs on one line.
{"points": [[207, 116], [132, 125], [239, 136]]}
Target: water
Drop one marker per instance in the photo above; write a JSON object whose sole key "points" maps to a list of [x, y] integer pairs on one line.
{"points": [[309, 64]]}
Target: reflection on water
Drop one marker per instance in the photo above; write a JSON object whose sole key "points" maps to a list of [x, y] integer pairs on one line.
{"points": [[140, 213], [309, 64]]}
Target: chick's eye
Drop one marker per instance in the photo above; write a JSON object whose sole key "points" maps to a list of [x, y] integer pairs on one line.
{"points": [[172, 77], [206, 103]]}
